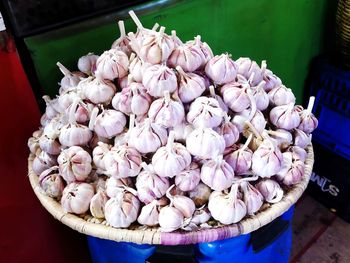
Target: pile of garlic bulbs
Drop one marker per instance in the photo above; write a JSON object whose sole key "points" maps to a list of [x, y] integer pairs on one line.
{"points": [[157, 132]]}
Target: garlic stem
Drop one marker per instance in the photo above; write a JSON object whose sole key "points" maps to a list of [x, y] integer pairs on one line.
{"points": [[93, 118], [263, 66], [121, 28], [252, 104], [134, 43], [247, 142], [227, 118], [278, 134], [131, 190], [171, 137], [168, 194], [310, 105], [129, 79], [131, 122], [63, 69], [161, 31], [173, 33], [145, 167], [251, 77], [167, 96], [47, 99], [212, 91], [132, 57], [233, 192], [71, 116], [155, 27], [252, 128], [136, 19], [180, 70]]}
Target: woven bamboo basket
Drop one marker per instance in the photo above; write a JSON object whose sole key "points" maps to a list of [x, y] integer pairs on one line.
{"points": [[93, 227], [343, 31]]}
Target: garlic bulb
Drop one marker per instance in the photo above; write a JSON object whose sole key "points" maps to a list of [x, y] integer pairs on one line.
{"points": [[200, 216], [250, 69], [112, 64], [70, 79], [205, 112], [200, 194], [221, 102], [217, 174], [159, 78], [282, 137], [81, 111], [148, 137], [292, 171], [99, 154], [285, 117], [187, 56], [149, 215], [122, 100], [206, 51], [298, 153], [267, 159], [122, 210], [33, 145], [97, 204], [52, 107], [149, 185], [189, 178], [270, 190], [191, 85], [140, 101], [241, 159], [108, 124], [76, 198], [49, 143], [205, 143], [137, 68], [74, 164], [87, 63], [114, 185], [123, 41], [227, 208], [184, 204], [308, 122], [156, 47], [51, 182], [301, 139], [221, 69], [170, 219], [260, 96], [271, 80], [182, 131], [229, 131], [166, 111], [235, 96], [42, 162], [171, 159], [123, 161], [252, 198], [98, 90], [281, 95]]}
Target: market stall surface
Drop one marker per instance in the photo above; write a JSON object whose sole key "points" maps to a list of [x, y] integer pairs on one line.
{"points": [[319, 235]]}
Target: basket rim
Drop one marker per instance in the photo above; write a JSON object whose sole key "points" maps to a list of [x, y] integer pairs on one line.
{"points": [[154, 236]]}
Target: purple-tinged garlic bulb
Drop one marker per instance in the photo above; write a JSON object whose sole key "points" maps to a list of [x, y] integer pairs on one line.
{"points": [[112, 64], [308, 122], [222, 104], [52, 107], [189, 178], [149, 185], [49, 143], [235, 96], [137, 39], [70, 79], [183, 203], [283, 138], [298, 153], [74, 164], [140, 101], [252, 198], [122, 100], [191, 85], [44, 120], [34, 145], [270, 190], [107, 124], [200, 194], [217, 174], [207, 53], [292, 170], [285, 117], [229, 131], [137, 67], [205, 143], [281, 95], [166, 111], [51, 182], [227, 208], [271, 80], [123, 161], [205, 112], [260, 96], [43, 161], [81, 111], [241, 119], [123, 209], [147, 137], [182, 131], [98, 90], [267, 159], [123, 41], [114, 185], [171, 159], [221, 69], [247, 67], [99, 154], [188, 56], [76, 197], [97, 204], [87, 63], [159, 78], [301, 139], [241, 159]]}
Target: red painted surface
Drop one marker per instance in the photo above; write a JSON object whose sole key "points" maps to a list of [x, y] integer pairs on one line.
{"points": [[27, 232]]}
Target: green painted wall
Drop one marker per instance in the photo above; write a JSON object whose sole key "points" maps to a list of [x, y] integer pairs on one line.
{"points": [[286, 33]]}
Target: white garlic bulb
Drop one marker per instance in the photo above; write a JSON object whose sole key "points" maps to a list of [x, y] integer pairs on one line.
{"points": [[170, 219], [99, 153], [87, 63], [281, 95], [270, 189], [149, 215], [285, 117], [114, 185], [189, 178], [98, 90], [221, 69], [252, 198], [76, 197], [112, 64], [191, 85], [97, 204], [108, 124]]}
